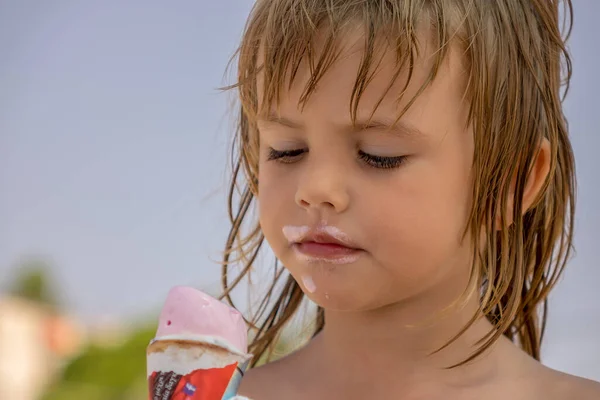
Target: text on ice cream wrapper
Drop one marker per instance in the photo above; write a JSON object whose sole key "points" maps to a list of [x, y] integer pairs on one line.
{"points": [[201, 384]]}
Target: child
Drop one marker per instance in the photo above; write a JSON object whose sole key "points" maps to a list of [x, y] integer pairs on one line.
{"points": [[413, 173]]}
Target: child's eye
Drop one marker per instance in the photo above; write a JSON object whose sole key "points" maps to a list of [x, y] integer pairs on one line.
{"points": [[381, 161], [284, 156]]}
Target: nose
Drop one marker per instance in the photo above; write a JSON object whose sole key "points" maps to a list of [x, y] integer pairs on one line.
{"points": [[323, 187]]}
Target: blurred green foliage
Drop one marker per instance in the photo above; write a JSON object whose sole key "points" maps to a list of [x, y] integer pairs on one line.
{"points": [[107, 373], [32, 281]]}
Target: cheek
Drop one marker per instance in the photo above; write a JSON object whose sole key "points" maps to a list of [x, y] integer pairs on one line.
{"points": [[417, 226], [275, 205]]}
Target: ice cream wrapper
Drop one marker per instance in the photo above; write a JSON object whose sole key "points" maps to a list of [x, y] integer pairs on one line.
{"points": [[194, 368]]}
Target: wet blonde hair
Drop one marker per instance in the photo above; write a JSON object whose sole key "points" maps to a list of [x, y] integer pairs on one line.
{"points": [[517, 65]]}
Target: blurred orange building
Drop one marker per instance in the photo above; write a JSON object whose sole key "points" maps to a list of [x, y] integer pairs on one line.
{"points": [[34, 343]]}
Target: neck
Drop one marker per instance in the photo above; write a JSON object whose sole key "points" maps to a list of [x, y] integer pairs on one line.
{"points": [[391, 345]]}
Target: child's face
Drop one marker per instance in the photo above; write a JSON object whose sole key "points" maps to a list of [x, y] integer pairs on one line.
{"points": [[407, 220]]}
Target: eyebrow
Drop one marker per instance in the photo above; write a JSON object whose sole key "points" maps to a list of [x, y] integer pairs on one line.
{"points": [[399, 128]]}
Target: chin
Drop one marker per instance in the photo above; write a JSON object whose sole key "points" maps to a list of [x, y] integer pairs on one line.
{"points": [[350, 287], [345, 302]]}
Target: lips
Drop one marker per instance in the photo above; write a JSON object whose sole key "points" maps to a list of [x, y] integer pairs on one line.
{"points": [[324, 250], [322, 244]]}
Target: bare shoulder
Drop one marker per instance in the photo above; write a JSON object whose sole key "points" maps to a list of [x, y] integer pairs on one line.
{"points": [[273, 381], [562, 386], [258, 383]]}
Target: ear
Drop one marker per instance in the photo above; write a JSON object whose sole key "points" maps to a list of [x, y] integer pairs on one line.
{"points": [[535, 181], [537, 177]]}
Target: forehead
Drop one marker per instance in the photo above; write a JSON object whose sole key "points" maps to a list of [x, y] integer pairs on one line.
{"points": [[346, 90]]}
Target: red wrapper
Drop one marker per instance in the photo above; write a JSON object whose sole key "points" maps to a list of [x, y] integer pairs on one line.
{"points": [[193, 369]]}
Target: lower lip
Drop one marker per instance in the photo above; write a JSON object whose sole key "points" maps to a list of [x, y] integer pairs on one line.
{"points": [[327, 252]]}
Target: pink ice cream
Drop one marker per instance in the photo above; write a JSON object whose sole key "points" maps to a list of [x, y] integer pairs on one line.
{"points": [[188, 311]]}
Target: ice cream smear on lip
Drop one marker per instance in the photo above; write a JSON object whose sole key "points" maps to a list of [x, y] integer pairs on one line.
{"points": [[188, 312], [295, 234]]}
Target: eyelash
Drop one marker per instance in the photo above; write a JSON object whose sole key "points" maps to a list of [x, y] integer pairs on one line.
{"points": [[284, 156], [379, 162]]}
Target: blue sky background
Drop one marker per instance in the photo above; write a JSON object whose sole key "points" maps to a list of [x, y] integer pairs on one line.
{"points": [[113, 150]]}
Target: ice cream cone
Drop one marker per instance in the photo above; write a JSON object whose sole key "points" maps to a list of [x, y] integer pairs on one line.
{"points": [[199, 352]]}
